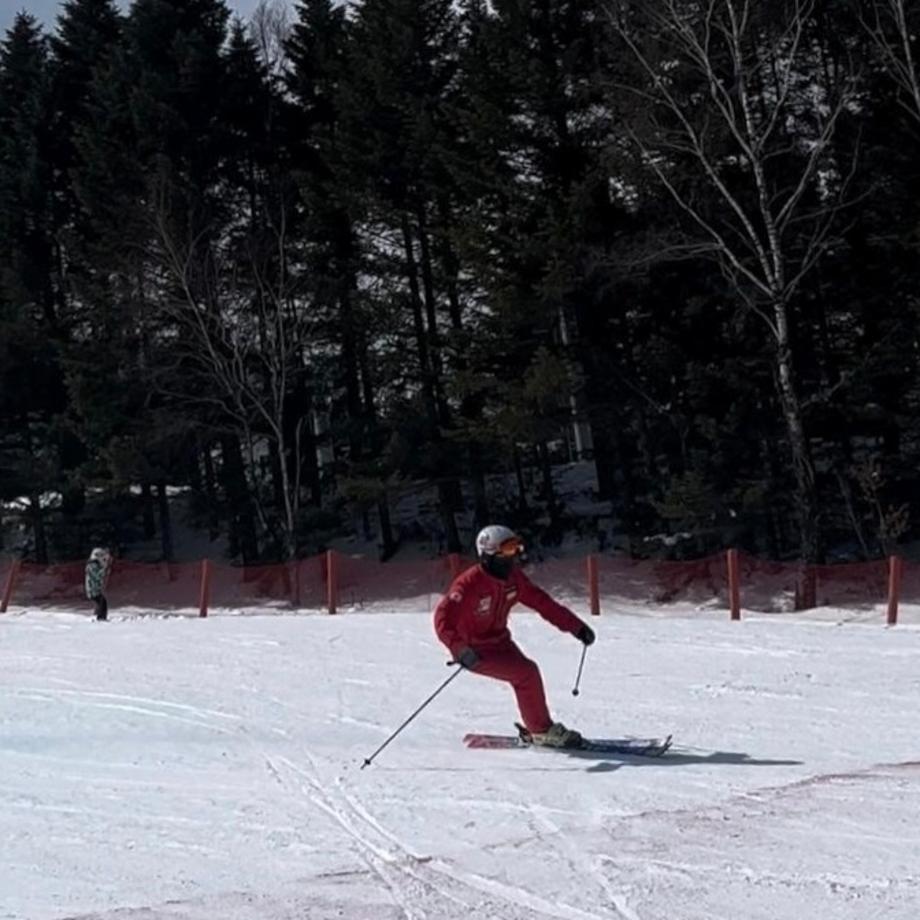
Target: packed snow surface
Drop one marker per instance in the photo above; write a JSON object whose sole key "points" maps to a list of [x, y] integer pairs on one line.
{"points": [[191, 769]]}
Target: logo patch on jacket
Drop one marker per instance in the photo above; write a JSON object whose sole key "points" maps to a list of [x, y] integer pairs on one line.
{"points": [[485, 605], [456, 596], [511, 593]]}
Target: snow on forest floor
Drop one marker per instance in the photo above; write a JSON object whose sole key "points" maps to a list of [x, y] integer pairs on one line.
{"points": [[191, 769]]}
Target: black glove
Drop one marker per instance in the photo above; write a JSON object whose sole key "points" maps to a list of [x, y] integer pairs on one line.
{"points": [[585, 634], [468, 658]]}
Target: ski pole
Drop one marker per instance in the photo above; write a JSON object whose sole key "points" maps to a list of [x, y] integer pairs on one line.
{"points": [[581, 664], [368, 760]]}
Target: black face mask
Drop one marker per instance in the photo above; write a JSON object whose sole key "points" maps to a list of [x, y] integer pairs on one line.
{"points": [[498, 566]]}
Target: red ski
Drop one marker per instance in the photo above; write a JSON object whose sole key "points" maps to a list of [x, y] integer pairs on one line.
{"points": [[636, 747]]}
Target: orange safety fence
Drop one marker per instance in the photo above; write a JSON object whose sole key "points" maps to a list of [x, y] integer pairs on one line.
{"points": [[336, 582], [777, 587], [407, 585], [648, 581], [298, 584], [566, 577], [49, 585], [910, 582], [165, 585], [9, 568]]}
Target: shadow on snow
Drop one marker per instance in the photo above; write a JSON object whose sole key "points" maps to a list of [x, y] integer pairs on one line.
{"points": [[675, 757]]}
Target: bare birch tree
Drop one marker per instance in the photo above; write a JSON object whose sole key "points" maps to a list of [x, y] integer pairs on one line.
{"points": [[270, 27], [240, 334], [737, 117], [893, 26]]}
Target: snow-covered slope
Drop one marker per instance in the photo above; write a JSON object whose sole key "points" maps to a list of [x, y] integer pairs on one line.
{"points": [[190, 769]]}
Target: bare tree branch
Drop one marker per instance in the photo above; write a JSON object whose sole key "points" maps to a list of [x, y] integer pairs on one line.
{"points": [[240, 332], [891, 34], [755, 115], [269, 27]]}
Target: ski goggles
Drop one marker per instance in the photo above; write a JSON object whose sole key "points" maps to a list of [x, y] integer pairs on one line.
{"points": [[511, 547]]}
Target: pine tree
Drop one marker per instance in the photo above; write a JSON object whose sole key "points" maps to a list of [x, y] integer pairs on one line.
{"points": [[143, 171], [318, 49], [533, 75], [88, 31], [25, 205], [30, 325], [402, 64]]}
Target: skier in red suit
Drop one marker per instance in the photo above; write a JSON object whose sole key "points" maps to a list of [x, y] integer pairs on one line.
{"points": [[472, 621]]}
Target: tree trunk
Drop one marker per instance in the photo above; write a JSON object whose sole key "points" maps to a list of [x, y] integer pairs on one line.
{"points": [[446, 498], [242, 520], [166, 534], [73, 500], [301, 444], [288, 500], [209, 487], [37, 517], [771, 475], [596, 396], [470, 408], [350, 332], [387, 543], [418, 322], [448, 521], [523, 507], [605, 453], [811, 550], [450, 265], [431, 312], [148, 511], [453, 485], [478, 479], [549, 489], [846, 493]]}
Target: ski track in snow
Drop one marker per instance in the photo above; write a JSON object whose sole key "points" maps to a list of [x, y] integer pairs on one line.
{"points": [[127, 703], [759, 806], [515, 895], [432, 887], [793, 818], [576, 860], [389, 851]]}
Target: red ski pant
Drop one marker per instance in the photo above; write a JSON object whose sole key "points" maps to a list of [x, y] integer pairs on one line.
{"points": [[508, 663]]}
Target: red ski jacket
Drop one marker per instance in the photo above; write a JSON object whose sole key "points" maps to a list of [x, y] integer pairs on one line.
{"points": [[474, 611]]}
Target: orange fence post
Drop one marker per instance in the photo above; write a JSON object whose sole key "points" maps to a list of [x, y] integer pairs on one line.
{"points": [[332, 581], [806, 587], [8, 587], [205, 594], [895, 565], [734, 584], [593, 592], [454, 563]]}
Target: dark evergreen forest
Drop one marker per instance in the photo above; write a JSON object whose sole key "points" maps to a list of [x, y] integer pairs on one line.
{"points": [[300, 265]]}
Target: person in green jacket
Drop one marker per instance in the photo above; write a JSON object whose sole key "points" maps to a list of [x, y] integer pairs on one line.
{"points": [[94, 579]]}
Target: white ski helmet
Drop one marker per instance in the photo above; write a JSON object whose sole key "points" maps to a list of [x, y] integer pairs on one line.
{"points": [[99, 553], [498, 540]]}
